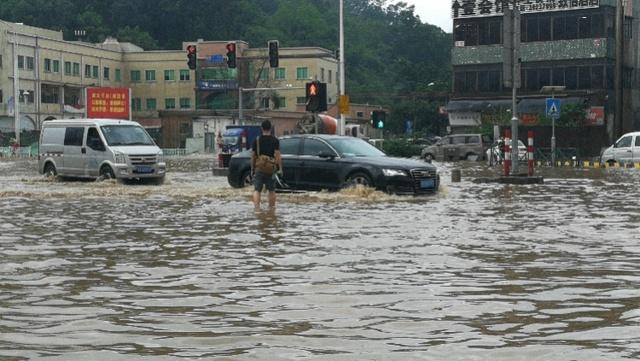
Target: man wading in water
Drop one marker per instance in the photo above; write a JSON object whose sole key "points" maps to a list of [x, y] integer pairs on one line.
{"points": [[265, 157]]}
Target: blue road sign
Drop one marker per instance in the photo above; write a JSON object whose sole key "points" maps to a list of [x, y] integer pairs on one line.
{"points": [[553, 108], [408, 127]]}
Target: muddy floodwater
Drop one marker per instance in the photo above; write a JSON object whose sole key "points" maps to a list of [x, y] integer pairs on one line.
{"points": [[188, 270]]}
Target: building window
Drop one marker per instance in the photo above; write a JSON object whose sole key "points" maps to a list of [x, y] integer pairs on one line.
{"points": [[322, 75], [185, 75], [87, 71], [135, 75], [105, 73], [302, 73], [301, 100], [56, 66], [360, 114], [280, 103], [170, 103], [76, 69], [330, 76], [185, 103], [280, 74], [264, 103], [20, 62], [151, 104], [169, 75], [477, 81], [50, 94], [1, 99], [30, 63], [264, 74], [150, 75], [118, 75], [0, 60], [47, 65], [26, 96], [95, 71], [136, 104]]}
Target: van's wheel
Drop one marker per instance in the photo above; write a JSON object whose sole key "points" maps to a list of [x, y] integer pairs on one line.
{"points": [[358, 178], [107, 173], [50, 170]]}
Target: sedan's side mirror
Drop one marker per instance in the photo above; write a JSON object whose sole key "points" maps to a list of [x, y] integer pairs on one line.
{"points": [[326, 154]]}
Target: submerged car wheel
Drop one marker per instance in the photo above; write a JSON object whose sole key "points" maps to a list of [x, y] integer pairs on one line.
{"points": [[50, 170], [246, 180], [358, 178], [107, 173]]}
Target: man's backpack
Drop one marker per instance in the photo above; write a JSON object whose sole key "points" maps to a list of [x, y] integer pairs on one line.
{"points": [[264, 163]]}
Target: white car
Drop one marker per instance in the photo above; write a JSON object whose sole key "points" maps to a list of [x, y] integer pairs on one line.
{"points": [[625, 150], [494, 154]]}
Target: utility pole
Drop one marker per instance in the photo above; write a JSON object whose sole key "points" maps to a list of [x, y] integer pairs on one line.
{"points": [[618, 124], [511, 73], [16, 88], [341, 126]]}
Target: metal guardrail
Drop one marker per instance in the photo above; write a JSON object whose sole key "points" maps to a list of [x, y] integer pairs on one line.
{"points": [[21, 152], [562, 154]]}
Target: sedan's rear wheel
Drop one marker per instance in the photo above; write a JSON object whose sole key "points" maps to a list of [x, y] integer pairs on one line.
{"points": [[357, 179], [246, 180]]}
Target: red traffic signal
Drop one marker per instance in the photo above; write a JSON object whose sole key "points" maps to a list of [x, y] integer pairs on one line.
{"points": [[231, 55], [192, 56], [316, 93]]}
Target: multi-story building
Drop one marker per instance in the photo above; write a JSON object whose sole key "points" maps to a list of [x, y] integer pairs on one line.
{"points": [[53, 75], [563, 43]]}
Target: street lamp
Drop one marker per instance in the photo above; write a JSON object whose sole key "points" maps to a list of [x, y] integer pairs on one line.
{"points": [[546, 90]]}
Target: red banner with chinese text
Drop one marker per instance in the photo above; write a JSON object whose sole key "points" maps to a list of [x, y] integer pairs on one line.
{"points": [[108, 103]]}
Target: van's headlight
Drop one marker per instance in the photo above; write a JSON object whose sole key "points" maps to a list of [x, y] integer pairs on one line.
{"points": [[160, 157], [120, 158], [394, 173]]}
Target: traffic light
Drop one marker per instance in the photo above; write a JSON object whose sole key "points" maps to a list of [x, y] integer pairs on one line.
{"points": [[316, 93], [231, 55], [192, 56], [273, 53], [378, 119]]}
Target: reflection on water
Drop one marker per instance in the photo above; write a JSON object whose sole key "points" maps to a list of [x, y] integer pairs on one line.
{"points": [[188, 270]]}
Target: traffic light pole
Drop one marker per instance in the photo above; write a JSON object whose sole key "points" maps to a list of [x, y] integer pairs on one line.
{"points": [[342, 125], [241, 90]]}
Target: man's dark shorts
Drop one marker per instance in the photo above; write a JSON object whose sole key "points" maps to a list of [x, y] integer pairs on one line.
{"points": [[260, 179]]}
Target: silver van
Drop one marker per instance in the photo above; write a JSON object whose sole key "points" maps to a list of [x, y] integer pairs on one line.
{"points": [[92, 148]]}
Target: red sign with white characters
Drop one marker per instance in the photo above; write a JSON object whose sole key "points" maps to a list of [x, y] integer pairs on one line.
{"points": [[108, 103]]}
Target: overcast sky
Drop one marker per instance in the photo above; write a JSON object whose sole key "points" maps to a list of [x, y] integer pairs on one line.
{"points": [[435, 12]]}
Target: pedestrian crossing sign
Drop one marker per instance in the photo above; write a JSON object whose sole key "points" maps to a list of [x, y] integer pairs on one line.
{"points": [[553, 108]]}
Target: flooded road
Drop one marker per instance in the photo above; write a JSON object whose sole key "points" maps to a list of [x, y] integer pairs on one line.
{"points": [[188, 270]]}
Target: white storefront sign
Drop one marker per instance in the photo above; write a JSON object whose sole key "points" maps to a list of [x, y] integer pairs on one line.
{"points": [[460, 119], [481, 8]]}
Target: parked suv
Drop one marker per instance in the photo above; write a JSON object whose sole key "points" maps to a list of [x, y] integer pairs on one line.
{"points": [[458, 147]]}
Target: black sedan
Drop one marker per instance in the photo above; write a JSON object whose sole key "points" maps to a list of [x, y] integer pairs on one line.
{"points": [[315, 162]]}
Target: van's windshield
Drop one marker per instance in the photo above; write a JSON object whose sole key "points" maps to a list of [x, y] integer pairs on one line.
{"points": [[126, 135]]}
